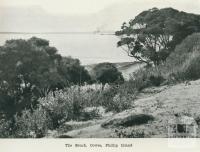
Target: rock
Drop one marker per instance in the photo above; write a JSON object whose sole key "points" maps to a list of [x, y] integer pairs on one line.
{"points": [[130, 120], [64, 136]]}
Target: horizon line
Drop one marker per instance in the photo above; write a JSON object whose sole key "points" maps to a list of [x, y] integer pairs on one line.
{"points": [[73, 32]]}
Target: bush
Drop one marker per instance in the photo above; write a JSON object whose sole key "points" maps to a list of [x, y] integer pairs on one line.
{"points": [[139, 79], [147, 77], [131, 133], [32, 124], [105, 97], [62, 105], [191, 68], [156, 80], [89, 114], [120, 102], [5, 128], [69, 103], [183, 64], [107, 73]]}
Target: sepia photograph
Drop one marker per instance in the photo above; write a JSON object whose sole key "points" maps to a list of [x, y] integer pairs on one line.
{"points": [[99, 69]]}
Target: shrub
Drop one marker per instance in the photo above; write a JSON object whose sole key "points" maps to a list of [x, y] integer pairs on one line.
{"points": [[121, 101], [89, 113], [5, 128], [191, 68], [183, 63], [62, 105], [131, 133], [139, 79], [147, 77], [32, 124], [197, 119], [105, 97], [188, 70], [69, 103], [107, 73], [156, 80], [91, 93]]}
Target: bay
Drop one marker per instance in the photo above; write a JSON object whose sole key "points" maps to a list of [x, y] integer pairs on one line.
{"points": [[89, 48]]}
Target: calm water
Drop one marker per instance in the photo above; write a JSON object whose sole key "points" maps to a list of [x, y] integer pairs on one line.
{"points": [[89, 48]]}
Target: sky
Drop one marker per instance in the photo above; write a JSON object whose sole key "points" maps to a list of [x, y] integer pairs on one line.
{"points": [[79, 16], [64, 6], [91, 6]]}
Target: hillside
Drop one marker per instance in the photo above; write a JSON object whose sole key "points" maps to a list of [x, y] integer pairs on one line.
{"points": [[163, 103], [157, 108]]}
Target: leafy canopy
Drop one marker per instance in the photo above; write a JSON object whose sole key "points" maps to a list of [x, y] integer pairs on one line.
{"points": [[153, 34], [107, 73], [29, 69]]}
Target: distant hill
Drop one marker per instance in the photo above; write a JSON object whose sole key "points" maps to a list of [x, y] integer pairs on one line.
{"points": [[37, 19], [126, 68]]}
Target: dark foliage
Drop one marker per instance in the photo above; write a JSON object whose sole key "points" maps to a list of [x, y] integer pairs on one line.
{"points": [[107, 73], [29, 69], [153, 34]]}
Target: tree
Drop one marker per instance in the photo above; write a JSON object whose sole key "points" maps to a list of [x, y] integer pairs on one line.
{"points": [[74, 72], [153, 34], [29, 69], [107, 73]]}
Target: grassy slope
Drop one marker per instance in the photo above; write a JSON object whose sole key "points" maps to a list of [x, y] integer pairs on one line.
{"points": [[161, 102]]}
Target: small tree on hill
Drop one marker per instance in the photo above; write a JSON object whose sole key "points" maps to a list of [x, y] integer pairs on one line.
{"points": [[107, 73]]}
